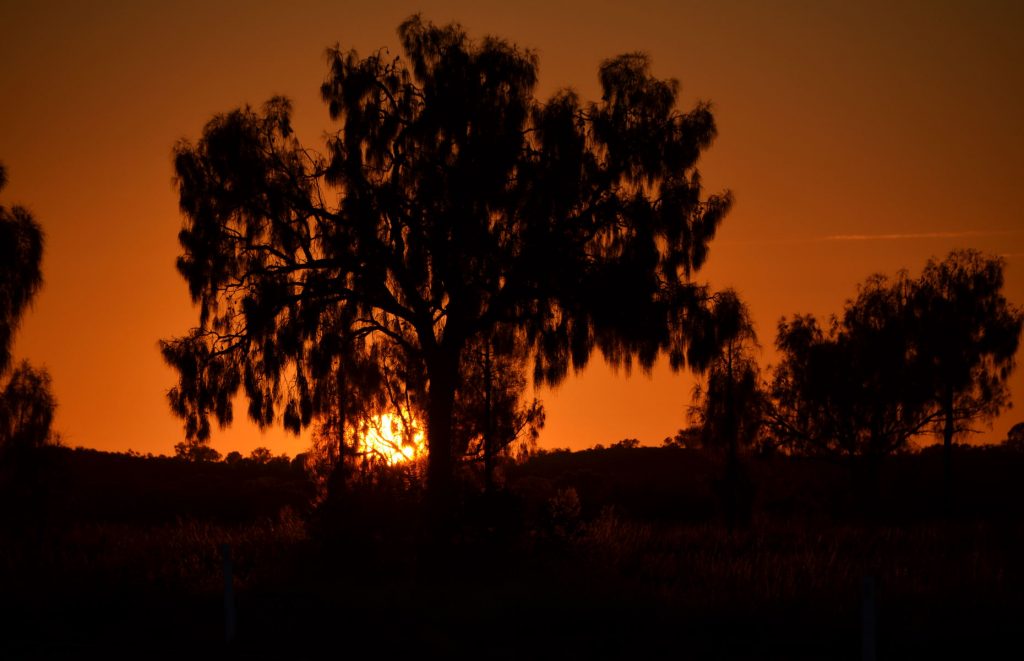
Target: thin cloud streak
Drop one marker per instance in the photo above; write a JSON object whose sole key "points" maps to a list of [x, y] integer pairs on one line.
{"points": [[917, 235], [895, 236]]}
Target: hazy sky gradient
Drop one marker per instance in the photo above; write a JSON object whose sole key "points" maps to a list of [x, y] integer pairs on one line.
{"points": [[856, 137]]}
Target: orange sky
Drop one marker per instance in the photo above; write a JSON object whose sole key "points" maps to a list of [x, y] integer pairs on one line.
{"points": [[856, 137]]}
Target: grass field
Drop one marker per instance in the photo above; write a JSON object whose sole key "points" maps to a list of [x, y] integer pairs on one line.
{"points": [[579, 564]]}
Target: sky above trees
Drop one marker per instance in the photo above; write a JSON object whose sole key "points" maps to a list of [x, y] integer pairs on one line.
{"points": [[855, 138]]}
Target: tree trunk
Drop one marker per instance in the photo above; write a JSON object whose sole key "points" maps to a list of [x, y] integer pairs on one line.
{"points": [[442, 372], [488, 424], [732, 467], [339, 473], [947, 455]]}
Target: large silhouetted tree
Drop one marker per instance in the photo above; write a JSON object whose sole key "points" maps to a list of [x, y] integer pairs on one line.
{"points": [[968, 337], [452, 203]]}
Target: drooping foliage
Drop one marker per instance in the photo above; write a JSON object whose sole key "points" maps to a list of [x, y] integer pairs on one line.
{"points": [[26, 400], [21, 276], [969, 337], [492, 417], [26, 410], [451, 204], [727, 405]]}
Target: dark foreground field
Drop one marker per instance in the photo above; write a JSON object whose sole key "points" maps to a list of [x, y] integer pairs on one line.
{"points": [[619, 553]]}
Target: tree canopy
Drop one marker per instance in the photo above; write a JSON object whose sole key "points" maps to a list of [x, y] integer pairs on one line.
{"points": [[21, 276], [907, 357], [727, 406], [26, 402], [451, 203]]}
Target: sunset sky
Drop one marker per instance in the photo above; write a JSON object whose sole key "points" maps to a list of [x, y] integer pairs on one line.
{"points": [[857, 137]]}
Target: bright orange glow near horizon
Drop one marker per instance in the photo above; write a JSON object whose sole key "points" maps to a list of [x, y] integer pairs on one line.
{"points": [[387, 438], [856, 138]]}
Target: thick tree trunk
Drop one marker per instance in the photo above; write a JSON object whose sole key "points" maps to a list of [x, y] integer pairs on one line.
{"points": [[442, 372]]}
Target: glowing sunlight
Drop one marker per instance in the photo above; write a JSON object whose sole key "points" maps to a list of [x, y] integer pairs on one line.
{"points": [[386, 437]]}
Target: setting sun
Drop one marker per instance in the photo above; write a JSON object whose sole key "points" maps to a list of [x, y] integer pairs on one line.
{"points": [[386, 437]]}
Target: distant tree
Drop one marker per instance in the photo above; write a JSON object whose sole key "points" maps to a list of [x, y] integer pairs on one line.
{"points": [[626, 444], [261, 455], [195, 452], [233, 458], [688, 437], [852, 390], [26, 401], [968, 338], [1015, 438], [452, 203], [727, 405], [26, 410], [907, 357]]}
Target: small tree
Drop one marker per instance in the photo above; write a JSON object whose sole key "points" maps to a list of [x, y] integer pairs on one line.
{"points": [[1015, 438], [21, 256], [968, 338], [195, 452], [26, 411], [727, 406], [26, 401], [907, 357], [261, 456], [853, 390]]}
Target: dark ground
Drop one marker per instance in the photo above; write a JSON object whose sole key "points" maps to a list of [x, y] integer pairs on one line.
{"points": [[619, 553]]}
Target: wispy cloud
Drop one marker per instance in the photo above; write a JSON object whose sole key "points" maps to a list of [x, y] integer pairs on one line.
{"points": [[903, 236], [886, 236]]}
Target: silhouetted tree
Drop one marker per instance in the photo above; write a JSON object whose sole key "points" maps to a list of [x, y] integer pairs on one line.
{"points": [[727, 406], [854, 389], [968, 337], [451, 203], [21, 276], [26, 402], [1015, 438], [197, 452], [26, 411], [261, 455], [908, 356], [688, 437]]}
